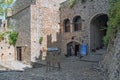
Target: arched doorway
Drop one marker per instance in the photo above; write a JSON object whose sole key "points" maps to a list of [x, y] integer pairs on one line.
{"points": [[72, 48], [98, 31]]}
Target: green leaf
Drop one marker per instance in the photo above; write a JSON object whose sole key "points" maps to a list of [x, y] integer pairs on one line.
{"points": [[8, 2], [72, 3], [114, 20], [1, 36], [1, 11], [40, 40], [1, 1], [5, 3], [13, 36]]}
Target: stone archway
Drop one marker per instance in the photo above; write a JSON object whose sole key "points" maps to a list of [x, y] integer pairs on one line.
{"points": [[98, 29], [73, 48]]}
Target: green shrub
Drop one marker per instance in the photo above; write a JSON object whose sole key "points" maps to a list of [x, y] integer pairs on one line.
{"points": [[114, 20], [13, 36], [40, 40], [1, 37], [72, 3]]}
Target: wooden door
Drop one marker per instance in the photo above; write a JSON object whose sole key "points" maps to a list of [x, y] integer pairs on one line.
{"points": [[19, 53]]}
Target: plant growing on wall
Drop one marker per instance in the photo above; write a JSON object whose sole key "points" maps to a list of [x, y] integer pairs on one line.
{"points": [[40, 40], [6, 1], [114, 20], [72, 3], [1, 37], [3, 6], [13, 36]]}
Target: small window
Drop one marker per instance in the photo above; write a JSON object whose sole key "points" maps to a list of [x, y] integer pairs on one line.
{"points": [[77, 23], [67, 25]]}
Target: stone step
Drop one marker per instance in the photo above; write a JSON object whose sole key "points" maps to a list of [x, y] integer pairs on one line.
{"points": [[14, 65], [2, 68]]}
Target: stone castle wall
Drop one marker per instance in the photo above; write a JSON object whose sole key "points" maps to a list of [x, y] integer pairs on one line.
{"points": [[20, 5], [34, 19], [87, 10], [20, 20], [6, 50], [111, 62], [21, 23], [41, 18], [44, 23]]}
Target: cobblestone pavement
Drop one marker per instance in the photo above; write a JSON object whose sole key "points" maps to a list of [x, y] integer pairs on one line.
{"points": [[73, 68]]}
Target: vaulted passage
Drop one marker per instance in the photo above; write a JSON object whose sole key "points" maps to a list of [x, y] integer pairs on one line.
{"points": [[98, 31]]}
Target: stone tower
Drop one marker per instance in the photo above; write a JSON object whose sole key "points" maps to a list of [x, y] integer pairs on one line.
{"points": [[34, 19]]}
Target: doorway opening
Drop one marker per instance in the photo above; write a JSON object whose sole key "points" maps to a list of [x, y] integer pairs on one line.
{"points": [[76, 49], [19, 53], [98, 28], [72, 48]]}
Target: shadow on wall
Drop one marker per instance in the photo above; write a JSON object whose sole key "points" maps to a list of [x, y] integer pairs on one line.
{"points": [[54, 41]]}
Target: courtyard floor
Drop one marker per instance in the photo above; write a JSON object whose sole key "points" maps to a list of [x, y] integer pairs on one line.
{"points": [[73, 68]]}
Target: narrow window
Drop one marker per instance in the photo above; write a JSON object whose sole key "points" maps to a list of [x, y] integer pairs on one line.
{"points": [[67, 25], [77, 24]]}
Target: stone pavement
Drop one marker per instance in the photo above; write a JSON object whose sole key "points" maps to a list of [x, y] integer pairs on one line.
{"points": [[94, 56], [73, 68]]}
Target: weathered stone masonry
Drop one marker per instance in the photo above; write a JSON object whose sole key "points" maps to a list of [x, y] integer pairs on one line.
{"points": [[87, 10], [21, 20], [45, 17], [41, 18], [34, 19]]}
